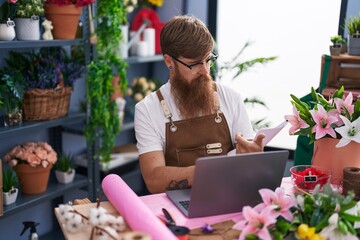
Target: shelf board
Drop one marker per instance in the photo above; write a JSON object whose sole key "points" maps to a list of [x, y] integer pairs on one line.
{"points": [[137, 59], [39, 43], [29, 126], [53, 190], [79, 128]]}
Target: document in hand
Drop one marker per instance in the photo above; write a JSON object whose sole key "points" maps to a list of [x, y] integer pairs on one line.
{"points": [[271, 132]]}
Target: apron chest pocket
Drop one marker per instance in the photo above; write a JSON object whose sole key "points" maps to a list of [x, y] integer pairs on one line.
{"points": [[186, 156]]}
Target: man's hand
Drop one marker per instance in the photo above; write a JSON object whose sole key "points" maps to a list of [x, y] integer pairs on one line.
{"points": [[246, 146]]}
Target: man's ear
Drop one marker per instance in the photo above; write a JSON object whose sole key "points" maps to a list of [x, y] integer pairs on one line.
{"points": [[168, 60]]}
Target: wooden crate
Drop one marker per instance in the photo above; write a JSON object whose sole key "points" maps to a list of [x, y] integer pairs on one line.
{"points": [[344, 70]]}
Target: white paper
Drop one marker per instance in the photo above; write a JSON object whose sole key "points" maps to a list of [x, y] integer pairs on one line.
{"points": [[270, 133]]}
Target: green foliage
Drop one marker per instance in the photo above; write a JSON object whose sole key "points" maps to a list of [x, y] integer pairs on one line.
{"points": [[103, 119], [64, 162], [320, 206], [337, 40], [29, 8], [7, 10], [9, 179], [353, 25], [12, 87]]}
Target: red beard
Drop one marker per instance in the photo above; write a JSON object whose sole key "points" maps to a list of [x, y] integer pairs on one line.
{"points": [[196, 98]]}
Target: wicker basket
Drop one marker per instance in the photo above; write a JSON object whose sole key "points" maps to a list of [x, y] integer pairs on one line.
{"points": [[46, 104]]}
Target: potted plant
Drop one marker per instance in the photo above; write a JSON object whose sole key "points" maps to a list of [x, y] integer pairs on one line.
{"points": [[27, 19], [353, 27], [7, 30], [336, 47], [10, 191], [49, 75], [32, 162], [64, 15], [12, 87], [65, 171]]}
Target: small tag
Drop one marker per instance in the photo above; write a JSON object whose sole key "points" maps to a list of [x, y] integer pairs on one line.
{"points": [[310, 178], [34, 18], [10, 23]]}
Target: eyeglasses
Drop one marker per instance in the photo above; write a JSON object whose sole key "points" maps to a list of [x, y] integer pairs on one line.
{"points": [[196, 67]]}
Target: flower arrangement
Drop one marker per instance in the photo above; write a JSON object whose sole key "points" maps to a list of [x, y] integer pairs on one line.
{"points": [[322, 215], [78, 3], [45, 69], [104, 224], [29, 8], [141, 87], [7, 10], [337, 117], [32, 153]]}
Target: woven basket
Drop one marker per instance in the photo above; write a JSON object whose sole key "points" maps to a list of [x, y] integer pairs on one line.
{"points": [[46, 104]]}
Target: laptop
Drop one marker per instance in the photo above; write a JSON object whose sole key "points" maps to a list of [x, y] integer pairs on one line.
{"points": [[224, 184]]}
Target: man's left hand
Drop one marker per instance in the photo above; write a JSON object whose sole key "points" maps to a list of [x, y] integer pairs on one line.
{"points": [[246, 146]]}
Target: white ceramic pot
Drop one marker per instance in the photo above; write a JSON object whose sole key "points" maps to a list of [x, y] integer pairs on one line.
{"points": [[10, 197], [7, 31], [354, 45], [65, 177], [27, 28]]}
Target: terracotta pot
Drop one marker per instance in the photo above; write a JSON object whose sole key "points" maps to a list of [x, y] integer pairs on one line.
{"points": [[33, 180], [335, 159], [65, 20]]}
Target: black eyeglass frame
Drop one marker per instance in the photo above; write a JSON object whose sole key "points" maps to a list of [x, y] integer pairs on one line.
{"points": [[211, 58]]}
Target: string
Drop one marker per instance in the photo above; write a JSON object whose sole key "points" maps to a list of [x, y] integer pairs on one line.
{"points": [[351, 181]]}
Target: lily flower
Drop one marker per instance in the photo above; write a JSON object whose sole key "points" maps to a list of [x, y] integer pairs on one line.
{"points": [[279, 200], [341, 104], [349, 132], [332, 231], [323, 123], [256, 223], [295, 121]]}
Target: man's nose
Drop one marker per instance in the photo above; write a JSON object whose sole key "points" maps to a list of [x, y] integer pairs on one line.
{"points": [[204, 69]]}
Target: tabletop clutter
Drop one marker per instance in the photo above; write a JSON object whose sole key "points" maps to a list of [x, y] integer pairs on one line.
{"points": [[127, 216]]}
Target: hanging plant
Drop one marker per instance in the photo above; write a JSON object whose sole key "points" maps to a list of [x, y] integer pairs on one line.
{"points": [[103, 122]]}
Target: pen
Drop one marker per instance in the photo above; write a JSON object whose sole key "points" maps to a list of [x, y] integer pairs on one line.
{"points": [[169, 220]]}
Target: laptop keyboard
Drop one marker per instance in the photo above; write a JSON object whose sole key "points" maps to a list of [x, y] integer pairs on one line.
{"points": [[185, 204]]}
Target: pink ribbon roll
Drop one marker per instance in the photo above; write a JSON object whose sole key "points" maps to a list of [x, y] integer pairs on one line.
{"points": [[138, 216]]}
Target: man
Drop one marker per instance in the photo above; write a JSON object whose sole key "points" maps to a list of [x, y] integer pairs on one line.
{"points": [[190, 116]]}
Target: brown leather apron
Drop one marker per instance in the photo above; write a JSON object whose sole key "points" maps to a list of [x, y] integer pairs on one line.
{"points": [[186, 140]]}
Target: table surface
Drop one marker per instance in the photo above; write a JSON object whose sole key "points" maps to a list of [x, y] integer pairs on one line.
{"points": [[158, 201]]}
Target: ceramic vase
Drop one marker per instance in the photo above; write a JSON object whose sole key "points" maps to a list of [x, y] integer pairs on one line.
{"points": [[328, 156], [124, 49], [65, 177], [27, 29], [65, 20], [33, 180], [10, 197], [7, 31]]}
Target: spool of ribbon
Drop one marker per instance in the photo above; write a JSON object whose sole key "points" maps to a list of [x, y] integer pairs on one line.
{"points": [[351, 181], [136, 236], [182, 233]]}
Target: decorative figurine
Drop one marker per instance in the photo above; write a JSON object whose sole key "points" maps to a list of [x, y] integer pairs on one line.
{"points": [[47, 35]]}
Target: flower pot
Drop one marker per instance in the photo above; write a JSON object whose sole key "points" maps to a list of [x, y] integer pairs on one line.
{"points": [[33, 180], [335, 159], [65, 20], [335, 51], [10, 197], [65, 177], [354, 45], [7, 31], [27, 28], [12, 117], [124, 49]]}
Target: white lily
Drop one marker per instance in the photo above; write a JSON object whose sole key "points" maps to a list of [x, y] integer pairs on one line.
{"points": [[349, 132]]}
